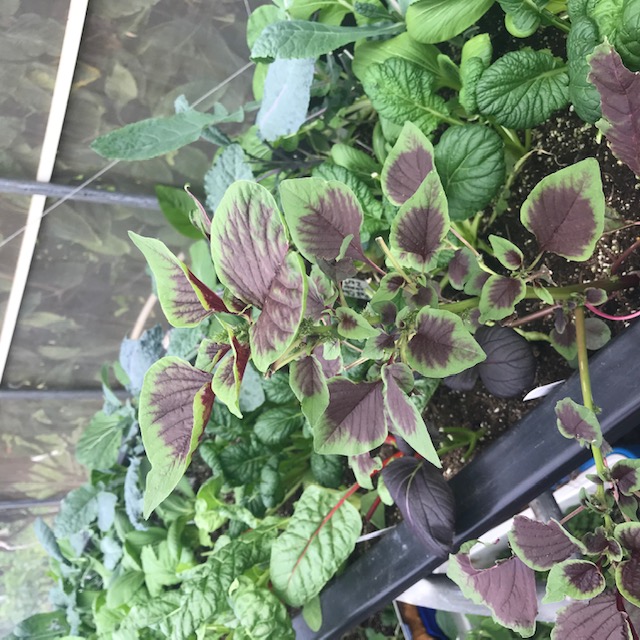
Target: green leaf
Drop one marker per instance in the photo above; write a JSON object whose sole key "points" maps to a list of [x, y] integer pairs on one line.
{"points": [[41, 626], [274, 426], [321, 535], [99, 443], [302, 39], [435, 21], [523, 16], [328, 469], [627, 36], [441, 345], [354, 160], [470, 163], [402, 46], [261, 615], [47, 539], [309, 385], [153, 137], [476, 57], [402, 91], [312, 613], [277, 388], [124, 588], [227, 377], [242, 462], [177, 205], [158, 570], [78, 510], [581, 42], [229, 166], [523, 88]]}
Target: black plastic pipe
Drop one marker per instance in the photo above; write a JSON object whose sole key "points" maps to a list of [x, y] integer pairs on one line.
{"points": [[58, 191], [527, 460]]}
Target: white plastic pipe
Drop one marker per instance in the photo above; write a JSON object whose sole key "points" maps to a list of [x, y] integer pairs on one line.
{"points": [[59, 101]]}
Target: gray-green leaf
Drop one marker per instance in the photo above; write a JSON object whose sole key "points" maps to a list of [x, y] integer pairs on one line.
{"points": [[302, 39], [228, 167], [153, 137]]}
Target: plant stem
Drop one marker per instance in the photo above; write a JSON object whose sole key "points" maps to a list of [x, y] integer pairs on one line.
{"points": [[587, 399], [396, 265]]}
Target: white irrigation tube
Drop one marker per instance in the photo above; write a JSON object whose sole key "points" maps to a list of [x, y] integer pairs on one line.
{"points": [[59, 101]]}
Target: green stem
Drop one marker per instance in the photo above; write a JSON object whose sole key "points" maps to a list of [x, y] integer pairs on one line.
{"points": [[587, 399], [548, 17], [396, 265]]}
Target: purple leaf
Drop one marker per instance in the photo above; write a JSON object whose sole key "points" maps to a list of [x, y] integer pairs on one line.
{"points": [[441, 346], [508, 589], [628, 505], [626, 474], [309, 385], [407, 165], [577, 579], [565, 211], [209, 353], [499, 297], [363, 466], [248, 241], [628, 535], [175, 404], [510, 366], [421, 225], [576, 421], [464, 381], [565, 342], [507, 253], [353, 326], [228, 376], [354, 421], [540, 545], [185, 300], [628, 579], [330, 359], [595, 619], [460, 267], [404, 418], [598, 542], [596, 297], [425, 501], [619, 91], [282, 312], [321, 215]]}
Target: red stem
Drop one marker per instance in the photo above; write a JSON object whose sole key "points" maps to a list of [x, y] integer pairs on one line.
{"points": [[602, 314], [372, 509], [623, 256]]}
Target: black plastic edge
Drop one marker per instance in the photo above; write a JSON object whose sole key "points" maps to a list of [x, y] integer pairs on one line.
{"points": [[527, 460]]}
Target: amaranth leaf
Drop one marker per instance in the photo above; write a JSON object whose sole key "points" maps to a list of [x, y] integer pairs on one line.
{"points": [[185, 300], [248, 225], [619, 91], [321, 216], [577, 421], [596, 618], [507, 588], [407, 165], [175, 404], [404, 418], [421, 225], [353, 421], [628, 572], [541, 545], [425, 501], [576, 579], [499, 297], [565, 211], [441, 345], [309, 385], [626, 474], [320, 536]]}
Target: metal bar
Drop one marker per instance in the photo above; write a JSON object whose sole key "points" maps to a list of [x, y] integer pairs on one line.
{"points": [[38, 395], [98, 196], [524, 462], [10, 505]]}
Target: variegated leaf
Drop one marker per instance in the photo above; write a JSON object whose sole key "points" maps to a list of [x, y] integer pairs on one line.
{"points": [[309, 385], [227, 377], [499, 297]]}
